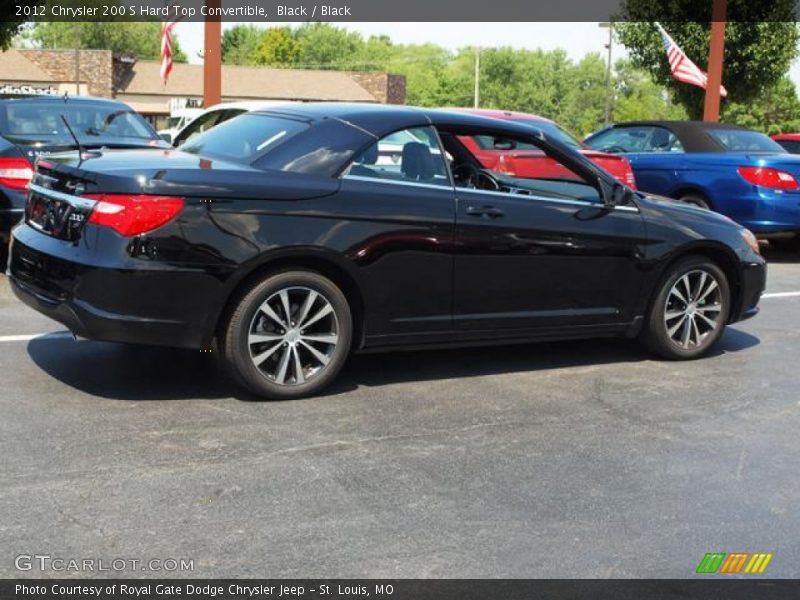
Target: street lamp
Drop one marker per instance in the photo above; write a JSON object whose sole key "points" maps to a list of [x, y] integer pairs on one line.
{"points": [[609, 95]]}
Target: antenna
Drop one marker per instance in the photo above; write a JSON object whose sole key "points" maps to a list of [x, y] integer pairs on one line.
{"points": [[74, 137]]}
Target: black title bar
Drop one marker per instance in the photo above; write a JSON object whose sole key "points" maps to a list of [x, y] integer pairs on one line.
{"points": [[388, 11]]}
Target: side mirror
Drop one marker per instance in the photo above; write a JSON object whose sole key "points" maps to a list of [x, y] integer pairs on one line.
{"points": [[501, 144], [167, 137], [614, 194]]}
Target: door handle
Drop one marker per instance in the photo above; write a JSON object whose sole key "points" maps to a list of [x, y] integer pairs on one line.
{"points": [[484, 211]]}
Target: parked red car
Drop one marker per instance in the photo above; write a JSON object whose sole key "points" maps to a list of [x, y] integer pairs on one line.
{"points": [[528, 161], [790, 141]]}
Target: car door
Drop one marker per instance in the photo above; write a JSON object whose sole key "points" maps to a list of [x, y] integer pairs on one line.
{"points": [[402, 214], [551, 258]]}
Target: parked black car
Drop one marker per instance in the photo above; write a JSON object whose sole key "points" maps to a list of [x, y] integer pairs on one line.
{"points": [[32, 126], [283, 236]]}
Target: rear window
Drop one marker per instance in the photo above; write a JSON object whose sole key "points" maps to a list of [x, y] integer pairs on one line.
{"points": [[553, 131], [792, 146], [244, 138], [738, 140], [22, 122]]}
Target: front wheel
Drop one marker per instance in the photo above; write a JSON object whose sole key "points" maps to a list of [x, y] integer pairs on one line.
{"points": [[289, 335], [689, 311]]}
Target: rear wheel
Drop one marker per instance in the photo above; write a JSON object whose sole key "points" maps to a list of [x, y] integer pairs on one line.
{"points": [[697, 200], [689, 311], [289, 335]]}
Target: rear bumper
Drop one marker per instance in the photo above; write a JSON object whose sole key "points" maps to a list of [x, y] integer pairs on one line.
{"points": [[86, 321], [767, 212], [118, 301]]}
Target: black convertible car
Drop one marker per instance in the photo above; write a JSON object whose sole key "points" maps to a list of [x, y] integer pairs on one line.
{"points": [[292, 239]]}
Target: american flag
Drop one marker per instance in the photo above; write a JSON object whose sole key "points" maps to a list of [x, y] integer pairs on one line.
{"points": [[166, 43], [682, 68]]}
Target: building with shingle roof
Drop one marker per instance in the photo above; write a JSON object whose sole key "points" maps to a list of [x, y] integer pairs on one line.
{"points": [[137, 82]]}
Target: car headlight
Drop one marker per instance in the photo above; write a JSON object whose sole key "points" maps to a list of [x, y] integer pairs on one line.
{"points": [[750, 239]]}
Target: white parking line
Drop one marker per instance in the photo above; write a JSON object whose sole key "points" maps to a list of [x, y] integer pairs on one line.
{"points": [[33, 336], [66, 334], [781, 295]]}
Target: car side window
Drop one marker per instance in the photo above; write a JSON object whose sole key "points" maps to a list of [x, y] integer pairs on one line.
{"points": [[639, 138], [621, 139], [662, 140], [407, 156], [529, 175]]}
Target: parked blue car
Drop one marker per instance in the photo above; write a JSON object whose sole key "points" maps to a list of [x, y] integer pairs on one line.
{"points": [[740, 173]]}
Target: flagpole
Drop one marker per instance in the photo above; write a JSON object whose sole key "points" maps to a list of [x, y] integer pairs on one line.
{"points": [[212, 57], [715, 60]]}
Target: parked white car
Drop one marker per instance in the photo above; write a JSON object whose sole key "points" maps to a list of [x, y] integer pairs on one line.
{"points": [[219, 113], [177, 121]]}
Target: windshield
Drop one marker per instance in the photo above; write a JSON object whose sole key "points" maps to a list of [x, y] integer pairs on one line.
{"points": [[550, 129], [31, 122], [740, 140], [244, 138]]}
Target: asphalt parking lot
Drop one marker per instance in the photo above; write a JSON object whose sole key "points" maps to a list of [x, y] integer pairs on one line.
{"points": [[579, 459]]}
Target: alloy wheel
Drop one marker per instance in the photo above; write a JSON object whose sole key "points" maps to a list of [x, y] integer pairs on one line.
{"points": [[693, 309], [293, 335]]}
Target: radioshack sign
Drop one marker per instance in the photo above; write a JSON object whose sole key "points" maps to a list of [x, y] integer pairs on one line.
{"points": [[38, 90]]}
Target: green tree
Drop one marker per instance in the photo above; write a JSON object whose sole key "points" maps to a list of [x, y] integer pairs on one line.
{"points": [[585, 107], [777, 111], [142, 38], [376, 52], [325, 46], [8, 30], [760, 44], [637, 98], [240, 44], [278, 47], [10, 24], [427, 71]]}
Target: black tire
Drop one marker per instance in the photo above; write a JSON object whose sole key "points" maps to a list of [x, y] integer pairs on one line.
{"points": [[248, 318], [789, 244], [656, 335], [697, 200]]}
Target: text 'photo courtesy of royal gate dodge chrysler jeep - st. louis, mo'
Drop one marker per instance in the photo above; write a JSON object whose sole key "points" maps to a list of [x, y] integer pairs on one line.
{"points": [[284, 238]]}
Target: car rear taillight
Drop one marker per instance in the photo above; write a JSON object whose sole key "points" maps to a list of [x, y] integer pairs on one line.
{"points": [[133, 214], [769, 177], [15, 173], [505, 165], [628, 178]]}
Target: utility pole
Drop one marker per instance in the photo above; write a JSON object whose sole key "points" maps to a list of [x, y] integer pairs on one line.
{"points": [[477, 99], [715, 59], [212, 56], [609, 91]]}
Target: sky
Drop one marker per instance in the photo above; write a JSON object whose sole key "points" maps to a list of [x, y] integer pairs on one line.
{"points": [[578, 39]]}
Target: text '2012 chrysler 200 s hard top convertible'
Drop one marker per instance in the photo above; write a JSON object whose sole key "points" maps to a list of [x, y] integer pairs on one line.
{"points": [[282, 237]]}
